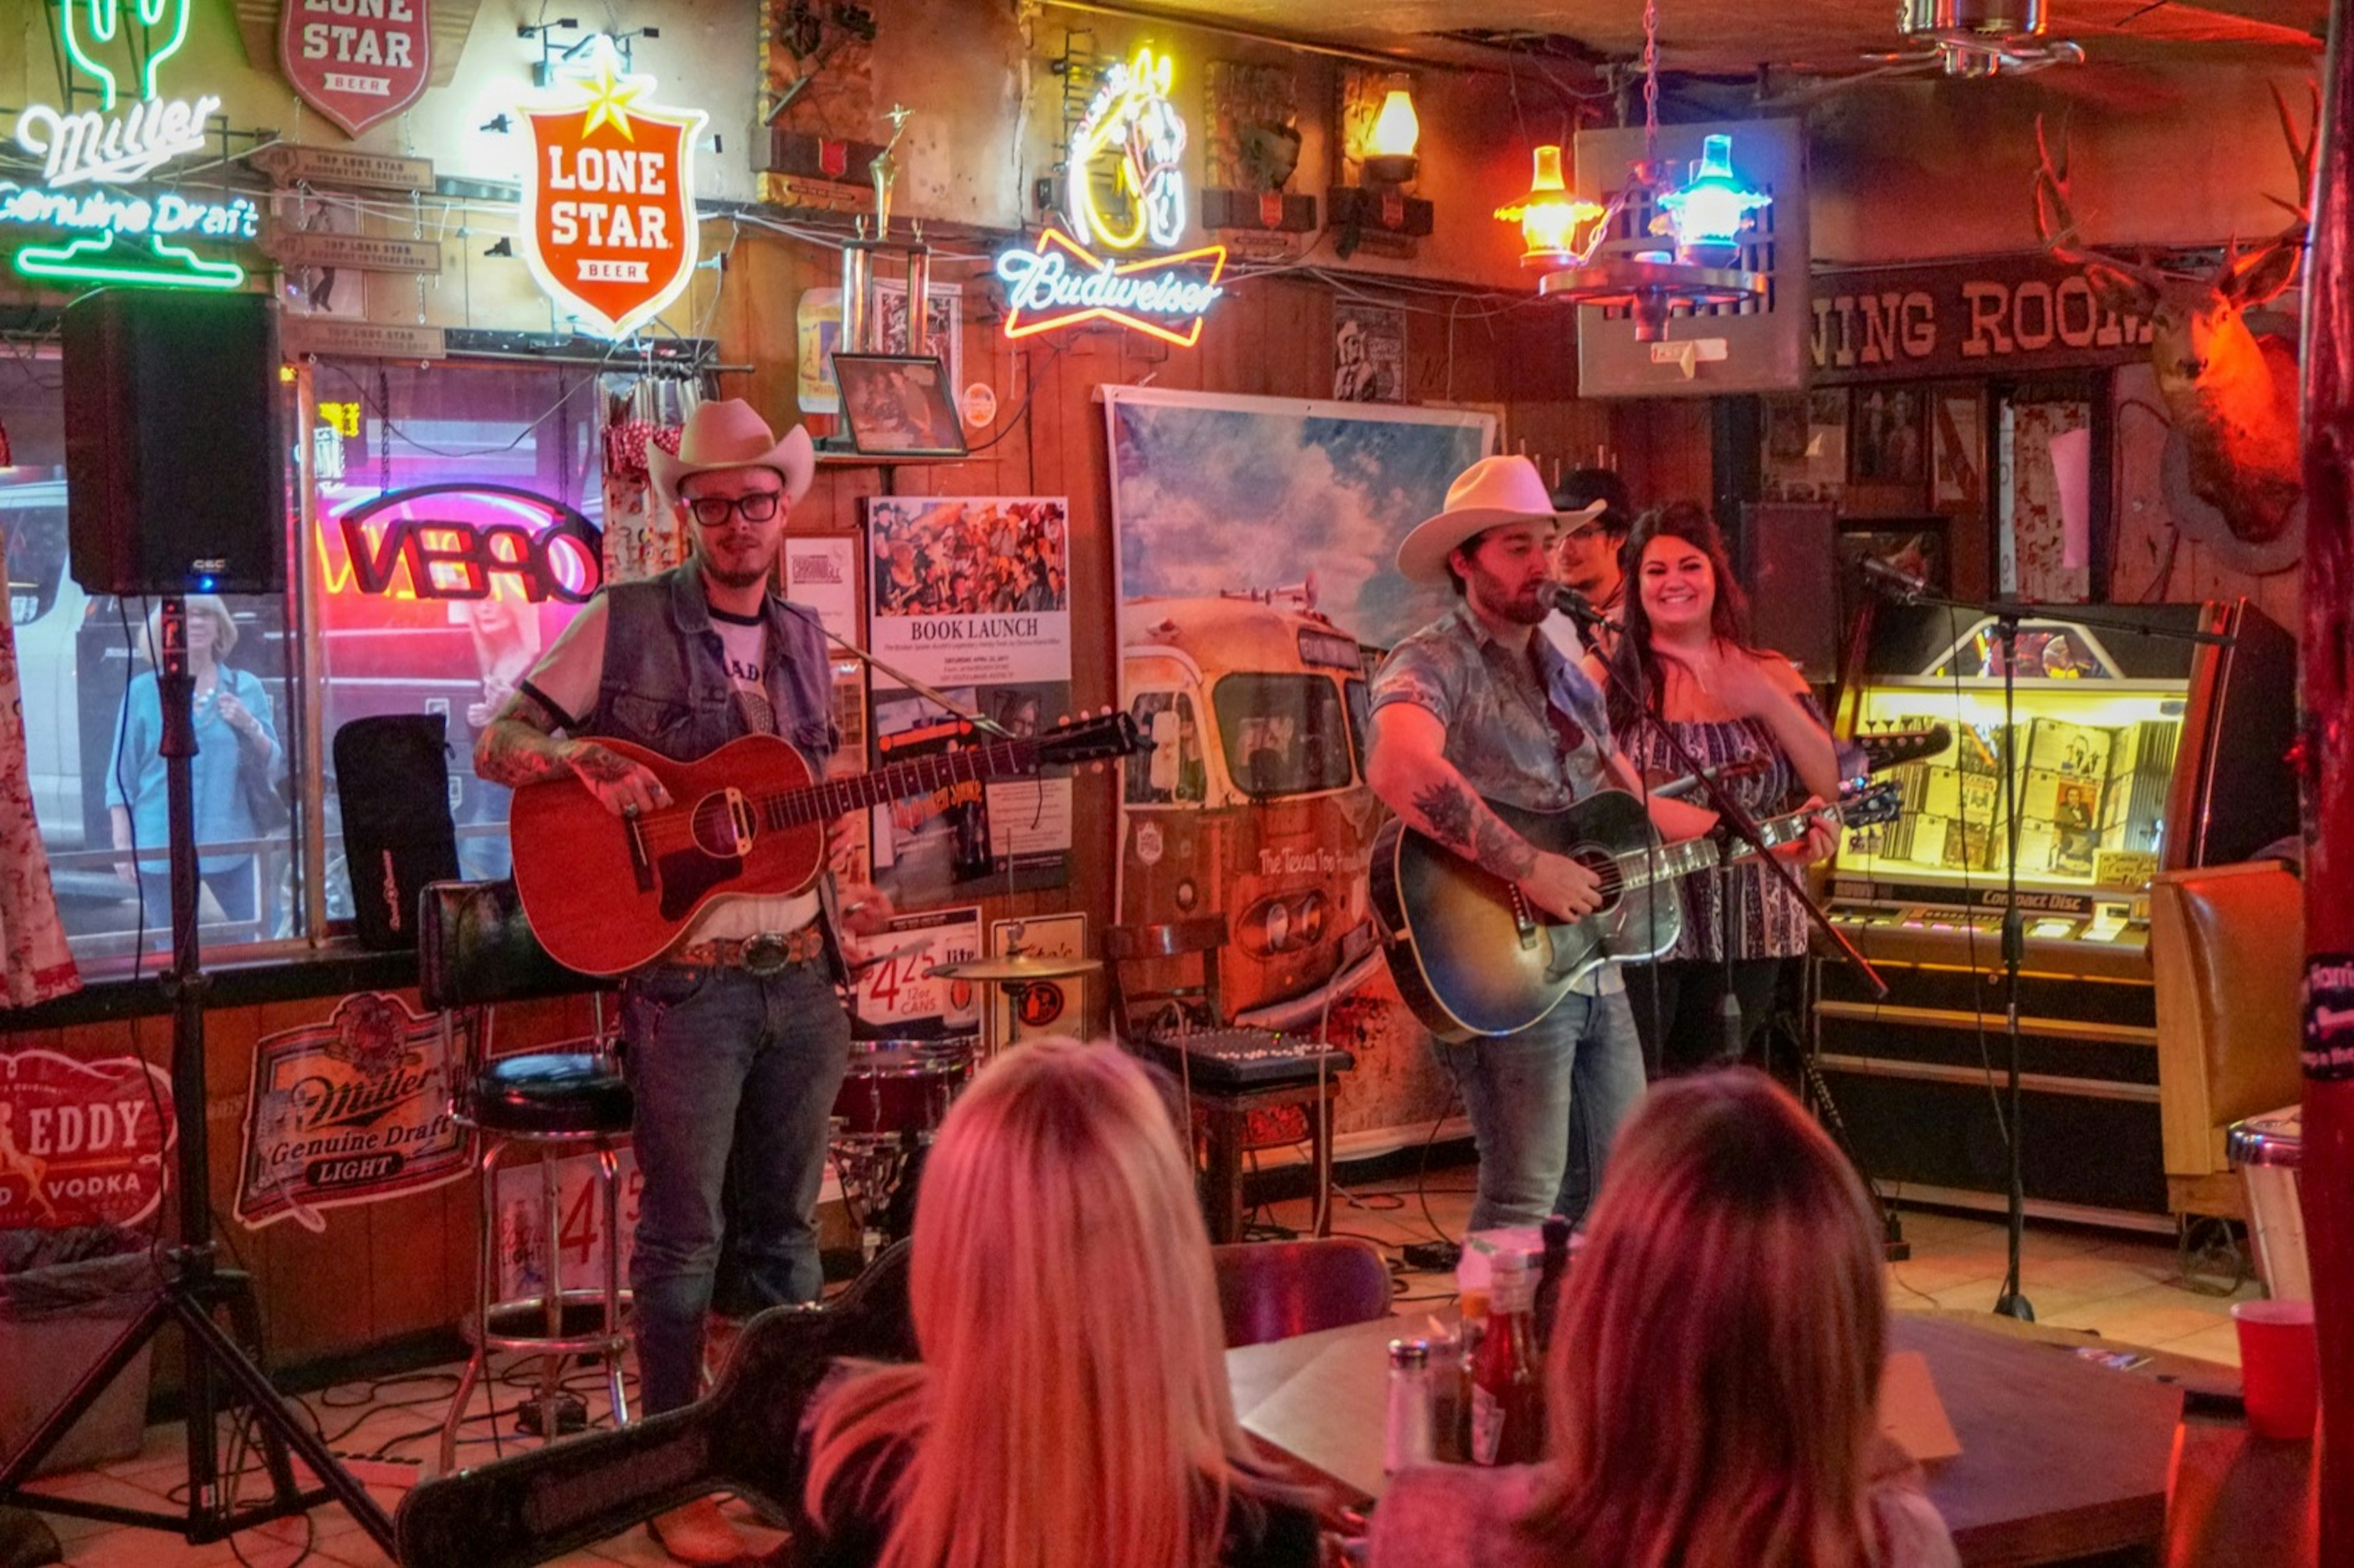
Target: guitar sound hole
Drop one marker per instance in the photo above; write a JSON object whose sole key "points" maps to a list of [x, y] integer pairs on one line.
{"points": [[722, 824], [1605, 870]]}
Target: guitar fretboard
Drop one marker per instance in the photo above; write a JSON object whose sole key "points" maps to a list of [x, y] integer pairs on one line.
{"points": [[1665, 863], [835, 797]]}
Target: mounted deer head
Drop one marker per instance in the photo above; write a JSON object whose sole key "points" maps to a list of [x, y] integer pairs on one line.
{"points": [[2233, 397]]}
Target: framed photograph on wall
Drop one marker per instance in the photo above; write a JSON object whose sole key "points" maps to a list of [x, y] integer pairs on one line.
{"points": [[1884, 441], [1957, 455], [900, 405]]}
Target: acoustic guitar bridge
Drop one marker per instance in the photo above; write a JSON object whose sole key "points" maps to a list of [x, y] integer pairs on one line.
{"points": [[1524, 920], [641, 866]]}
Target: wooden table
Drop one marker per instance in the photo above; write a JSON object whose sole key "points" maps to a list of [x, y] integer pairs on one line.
{"points": [[2060, 1457]]}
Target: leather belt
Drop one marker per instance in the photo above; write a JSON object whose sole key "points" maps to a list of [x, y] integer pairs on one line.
{"points": [[765, 953]]}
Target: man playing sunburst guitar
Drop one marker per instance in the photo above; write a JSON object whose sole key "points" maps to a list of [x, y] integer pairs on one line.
{"points": [[1477, 704], [735, 1039]]}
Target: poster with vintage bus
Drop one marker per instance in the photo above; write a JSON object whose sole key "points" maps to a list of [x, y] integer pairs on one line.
{"points": [[1246, 649]]}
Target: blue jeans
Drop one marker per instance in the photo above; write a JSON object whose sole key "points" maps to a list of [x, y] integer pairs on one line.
{"points": [[1519, 1090], [735, 1074]]}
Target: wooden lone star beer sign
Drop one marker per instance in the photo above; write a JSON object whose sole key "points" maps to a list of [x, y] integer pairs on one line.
{"points": [[609, 197], [357, 61]]}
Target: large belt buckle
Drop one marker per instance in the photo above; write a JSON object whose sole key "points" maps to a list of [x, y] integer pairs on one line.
{"points": [[767, 953]]}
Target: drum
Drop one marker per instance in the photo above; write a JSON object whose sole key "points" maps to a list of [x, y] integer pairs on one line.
{"points": [[899, 1087]]}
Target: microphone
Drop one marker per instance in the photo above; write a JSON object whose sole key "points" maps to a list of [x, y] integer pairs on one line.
{"points": [[1573, 604], [1894, 581]]}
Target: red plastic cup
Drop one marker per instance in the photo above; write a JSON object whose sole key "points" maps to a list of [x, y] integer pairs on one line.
{"points": [[2280, 1367]]}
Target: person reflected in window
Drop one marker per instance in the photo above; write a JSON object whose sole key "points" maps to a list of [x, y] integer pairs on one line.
{"points": [[1071, 1408], [235, 729], [1712, 1397]]}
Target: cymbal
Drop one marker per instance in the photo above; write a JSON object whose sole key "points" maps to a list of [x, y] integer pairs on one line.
{"points": [[1024, 967]]}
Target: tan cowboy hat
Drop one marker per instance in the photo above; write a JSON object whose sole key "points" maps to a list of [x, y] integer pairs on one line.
{"points": [[1491, 491], [730, 434]]}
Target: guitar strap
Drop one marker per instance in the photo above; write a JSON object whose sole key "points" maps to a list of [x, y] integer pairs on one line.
{"points": [[1568, 735]]}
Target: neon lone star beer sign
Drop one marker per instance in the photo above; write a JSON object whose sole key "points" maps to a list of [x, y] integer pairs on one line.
{"points": [[609, 220], [87, 157], [1125, 189]]}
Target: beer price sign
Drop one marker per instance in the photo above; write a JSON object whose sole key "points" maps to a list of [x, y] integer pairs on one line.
{"points": [[357, 61], [609, 196]]}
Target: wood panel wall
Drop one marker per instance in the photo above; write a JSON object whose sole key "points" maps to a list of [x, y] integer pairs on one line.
{"points": [[382, 1271]]}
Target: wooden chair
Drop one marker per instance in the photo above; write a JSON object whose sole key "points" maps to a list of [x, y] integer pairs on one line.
{"points": [[1273, 1290], [1149, 1019], [2226, 948]]}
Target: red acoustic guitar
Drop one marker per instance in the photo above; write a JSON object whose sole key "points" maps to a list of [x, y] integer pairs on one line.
{"points": [[605, 893]]}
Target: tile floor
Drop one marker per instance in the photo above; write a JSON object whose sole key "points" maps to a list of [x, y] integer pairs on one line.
{"points": [[2124, 1287]]}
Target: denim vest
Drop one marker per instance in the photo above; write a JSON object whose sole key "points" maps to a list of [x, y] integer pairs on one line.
{"points": [[665, 685]]}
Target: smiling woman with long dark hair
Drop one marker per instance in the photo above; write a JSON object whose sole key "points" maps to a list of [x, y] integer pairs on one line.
{"points": [[1685, 660]]}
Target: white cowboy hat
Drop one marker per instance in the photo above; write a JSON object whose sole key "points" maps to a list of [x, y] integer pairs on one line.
{"points": [[731, 434], [1491, 491]]}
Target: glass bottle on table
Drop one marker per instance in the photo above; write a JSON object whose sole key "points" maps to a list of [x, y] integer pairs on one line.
{"points": [[1549, 1278], [1407, 1437], [1506, 1416], [1471, 1327]]}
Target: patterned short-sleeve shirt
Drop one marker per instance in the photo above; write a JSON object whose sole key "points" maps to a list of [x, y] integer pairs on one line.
{"points": [[1494, 701]]}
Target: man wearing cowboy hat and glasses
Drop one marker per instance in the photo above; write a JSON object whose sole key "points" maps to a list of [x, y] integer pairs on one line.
{"points": [[1477, 704], [737, 1039]]}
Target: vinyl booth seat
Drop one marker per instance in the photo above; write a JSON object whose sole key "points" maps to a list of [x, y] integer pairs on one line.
{"points": [[2227, 951]]}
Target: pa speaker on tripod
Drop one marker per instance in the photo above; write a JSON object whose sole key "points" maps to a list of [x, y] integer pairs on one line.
{"points": [[176, 465]]}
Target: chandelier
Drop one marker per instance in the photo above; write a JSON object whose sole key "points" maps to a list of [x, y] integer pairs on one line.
{"points": [[1682, 244]]}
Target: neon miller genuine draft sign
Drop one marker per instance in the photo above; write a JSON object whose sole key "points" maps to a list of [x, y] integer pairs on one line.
{"points": [[88, 157], [609, 196], [1126, 190]]}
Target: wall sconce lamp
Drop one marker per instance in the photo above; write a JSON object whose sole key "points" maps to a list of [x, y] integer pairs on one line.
{"points": [[1397, 130], [1549, 216], [1380, 133]]}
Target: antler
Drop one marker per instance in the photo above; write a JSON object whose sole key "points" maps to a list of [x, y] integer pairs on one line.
{"points": [[2055, 218], [2055, 221], [2300, 151]]}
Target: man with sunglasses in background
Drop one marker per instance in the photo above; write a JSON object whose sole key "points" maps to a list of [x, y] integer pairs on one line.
{"points": [[737, 1039]]}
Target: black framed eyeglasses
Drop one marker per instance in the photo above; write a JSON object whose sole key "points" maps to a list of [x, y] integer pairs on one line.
{"points": [[713, 511]]}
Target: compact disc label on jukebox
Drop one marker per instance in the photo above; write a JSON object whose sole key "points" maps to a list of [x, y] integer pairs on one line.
{"points": [[2328, 1044]]}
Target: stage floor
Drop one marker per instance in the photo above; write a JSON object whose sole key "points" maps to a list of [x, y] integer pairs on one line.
{"points": [[2123, 1288]]}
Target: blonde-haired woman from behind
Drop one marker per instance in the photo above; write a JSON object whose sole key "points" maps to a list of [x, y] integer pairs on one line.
{"points": [[1713, 1391], [1071, 1410]]}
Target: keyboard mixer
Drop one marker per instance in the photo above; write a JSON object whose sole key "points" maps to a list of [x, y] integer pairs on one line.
{"points": [[1246, 1058]]}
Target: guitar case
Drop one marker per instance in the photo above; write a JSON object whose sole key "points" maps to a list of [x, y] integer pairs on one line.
{"points": [[392, 784]]}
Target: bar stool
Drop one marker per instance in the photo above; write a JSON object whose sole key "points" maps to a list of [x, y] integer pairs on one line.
{"points": [[474, 951]]}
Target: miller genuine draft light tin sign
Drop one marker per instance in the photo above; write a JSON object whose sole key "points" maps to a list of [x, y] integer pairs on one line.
{"points": [[347, 1111], [609, 196]]}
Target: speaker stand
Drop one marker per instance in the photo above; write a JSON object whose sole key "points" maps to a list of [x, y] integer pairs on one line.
{"points": [[195, 1291]]}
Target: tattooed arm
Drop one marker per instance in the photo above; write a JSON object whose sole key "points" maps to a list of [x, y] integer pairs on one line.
{"points": [[519, 747], [1407, 768]]}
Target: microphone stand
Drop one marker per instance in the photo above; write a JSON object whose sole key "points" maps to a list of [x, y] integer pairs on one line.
{"points": [[2007, 614], [220, 1373], [930, 693]]}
